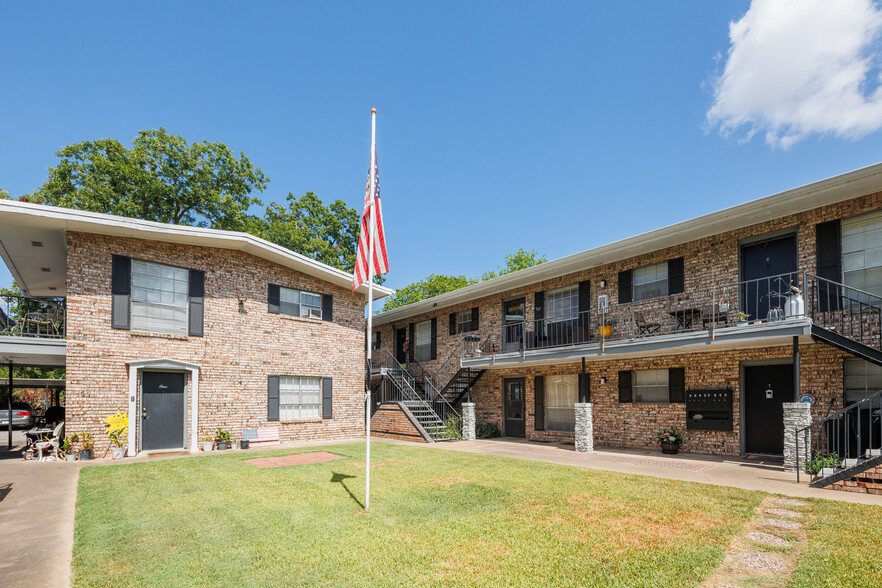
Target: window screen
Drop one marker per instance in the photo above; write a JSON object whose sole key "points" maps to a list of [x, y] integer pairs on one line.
{"points": [[159, 298]]}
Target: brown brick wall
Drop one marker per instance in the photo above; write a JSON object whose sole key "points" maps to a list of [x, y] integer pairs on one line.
{"points": [[390, 421], [237, 353], [867, 482]]}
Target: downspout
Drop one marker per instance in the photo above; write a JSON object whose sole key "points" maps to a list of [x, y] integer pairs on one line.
{"points": [[795, 368]]}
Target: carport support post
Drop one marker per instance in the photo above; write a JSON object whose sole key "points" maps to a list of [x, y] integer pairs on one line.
{"points": [[584, 427], [9, 404]]}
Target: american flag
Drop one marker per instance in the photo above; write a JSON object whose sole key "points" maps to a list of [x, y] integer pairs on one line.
{"points": [[381, 261]]}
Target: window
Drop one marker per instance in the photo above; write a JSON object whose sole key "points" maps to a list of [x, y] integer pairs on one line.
{"points": [[299, 398], [298, 303], [651, 386], [375, 340], [159, 298], [422, 349], [562, 304], [464, 321], [651, 281], [862, 252], [560, 399], [862, 379]]}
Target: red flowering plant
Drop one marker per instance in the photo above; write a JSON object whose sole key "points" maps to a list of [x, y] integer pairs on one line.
{"points": [[671, 435]]}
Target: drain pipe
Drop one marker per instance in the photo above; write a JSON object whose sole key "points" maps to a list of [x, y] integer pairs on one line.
{"points": [[9, 405]]}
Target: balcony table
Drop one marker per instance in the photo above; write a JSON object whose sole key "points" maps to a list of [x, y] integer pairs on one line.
{"points": [[685, 317]]}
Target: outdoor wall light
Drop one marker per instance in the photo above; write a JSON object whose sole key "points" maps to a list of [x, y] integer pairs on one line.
{"points": [[603, 283], [602, 380]]}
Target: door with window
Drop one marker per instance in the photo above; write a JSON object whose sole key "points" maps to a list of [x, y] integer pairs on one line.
{"points": [[513, 316], [766, 388], [768, 269], [162, 410], [513, 407]]}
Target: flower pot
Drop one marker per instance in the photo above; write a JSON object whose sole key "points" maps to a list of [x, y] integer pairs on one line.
{"points": [[723, 307], [118, 452], [234, 445], [221, 445], [741, 323], [670, 448], [604, 330], [207, 445], [86, 455], [71, 456], [244, 443]]}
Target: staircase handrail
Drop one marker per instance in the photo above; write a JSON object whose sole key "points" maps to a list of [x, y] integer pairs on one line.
{"points": [[450, 367], [846, 286]]}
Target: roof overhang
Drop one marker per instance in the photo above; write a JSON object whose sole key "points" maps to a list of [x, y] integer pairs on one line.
{"points": [[41, 270], [846, 186]]}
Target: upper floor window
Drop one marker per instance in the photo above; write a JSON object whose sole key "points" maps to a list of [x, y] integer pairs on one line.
{"points": [[651, 281], [375, 340], [862, 252], [159, 298], [651, 386], [464, 321], [422, 349], [299, 303], [562, 304]]}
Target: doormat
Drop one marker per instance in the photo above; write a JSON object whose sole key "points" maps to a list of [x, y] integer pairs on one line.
{"points": [[296, 459]]}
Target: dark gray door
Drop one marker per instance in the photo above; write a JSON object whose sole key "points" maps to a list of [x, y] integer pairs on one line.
{"points": [[513, 407], [162, 410], [767, 269], [766, 388], [400, 340]]}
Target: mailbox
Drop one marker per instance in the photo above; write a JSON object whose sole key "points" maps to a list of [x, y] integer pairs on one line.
{"points": [[709, 410]]}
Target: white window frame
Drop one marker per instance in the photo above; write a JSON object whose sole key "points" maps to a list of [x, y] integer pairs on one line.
{"points": [[422, 341], [862, 252], [560, 413], [562, 304], [649, 281], [300, 303], [300, 398], [464, 321], [861, 379], [652, 387], [162, 307]]}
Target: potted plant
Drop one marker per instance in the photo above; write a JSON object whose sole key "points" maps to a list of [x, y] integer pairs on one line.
{"points": [[670, 440], [742, 318], [88, 445], [244, 443], [223, 439], [68, 448], [233, 444], [604, 330], [207, 442], [117, 443]]}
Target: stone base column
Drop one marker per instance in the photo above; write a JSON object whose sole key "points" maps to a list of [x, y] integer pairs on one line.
{"points": [[584, 427], [468, 421], [796, 416]]}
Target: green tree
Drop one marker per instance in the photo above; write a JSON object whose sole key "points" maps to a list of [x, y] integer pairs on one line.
{"points": [[520, 259], [4, 195], [434, 285], [162, 177]]}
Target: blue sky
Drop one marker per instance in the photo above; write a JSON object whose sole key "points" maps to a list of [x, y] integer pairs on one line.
{"points": [[551, 126]]}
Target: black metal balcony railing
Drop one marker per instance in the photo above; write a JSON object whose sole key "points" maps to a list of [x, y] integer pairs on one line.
{"points": [[749, 302], [24, 316]]}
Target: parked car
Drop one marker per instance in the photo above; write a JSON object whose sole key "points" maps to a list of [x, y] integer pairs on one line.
{"points": [[22, 415]]}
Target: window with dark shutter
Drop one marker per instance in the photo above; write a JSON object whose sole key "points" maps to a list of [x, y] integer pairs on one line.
{"points": [[828, 241], [197, 303], [272, 398], [539, 403], [624, 286], [584, 311], [327, 398], [327, 307], [676, 276], [273, 298], [452, 329], [677, 384], [625, 388], [474, 318], [434, 338], [121, 290]]}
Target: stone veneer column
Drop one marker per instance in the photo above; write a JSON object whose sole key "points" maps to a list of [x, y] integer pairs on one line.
{"points": [[796, 416], [584, 427], [468, 421]]}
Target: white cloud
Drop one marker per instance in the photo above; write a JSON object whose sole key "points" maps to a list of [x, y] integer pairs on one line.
{"points": [[801, 67]]}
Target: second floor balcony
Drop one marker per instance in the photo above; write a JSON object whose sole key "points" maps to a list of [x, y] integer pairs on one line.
{"points": [[28, 317]]}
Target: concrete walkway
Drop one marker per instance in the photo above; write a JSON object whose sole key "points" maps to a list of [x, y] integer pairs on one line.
{"points": [[768, 476]]}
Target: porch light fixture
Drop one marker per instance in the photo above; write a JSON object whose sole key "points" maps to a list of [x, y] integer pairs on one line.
{"points": [[45, 269], [602, 380], [37, 243], [603, 283], [52, 288]]}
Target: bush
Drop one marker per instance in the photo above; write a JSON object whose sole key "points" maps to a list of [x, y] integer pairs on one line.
{"points": [[454, 427], [487, 431], [820, 461]]}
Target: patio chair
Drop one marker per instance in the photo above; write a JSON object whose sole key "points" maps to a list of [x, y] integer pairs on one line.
{"points": [[7, 325], [644, 326], [52, 444], [41, 322]]}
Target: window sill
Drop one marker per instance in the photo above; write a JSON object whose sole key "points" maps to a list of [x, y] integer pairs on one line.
{"points": [[301, 319], [299, 421], [158, 335]]}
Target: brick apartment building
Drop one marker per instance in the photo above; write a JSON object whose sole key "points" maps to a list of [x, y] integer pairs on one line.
{"points": [[647, 329], [186, 329]]}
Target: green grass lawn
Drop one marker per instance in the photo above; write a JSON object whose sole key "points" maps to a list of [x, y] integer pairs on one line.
{"points": [[437, 518]]}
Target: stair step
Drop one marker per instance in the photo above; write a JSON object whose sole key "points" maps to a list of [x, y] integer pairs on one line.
{"points": [[874, 453]]}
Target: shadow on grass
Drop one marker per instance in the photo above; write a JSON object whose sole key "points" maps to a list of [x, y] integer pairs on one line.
{"points": [[341, 479]]}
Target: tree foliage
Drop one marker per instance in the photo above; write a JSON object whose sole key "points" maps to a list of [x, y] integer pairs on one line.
{"points": [[162, 177], [435, 284]]}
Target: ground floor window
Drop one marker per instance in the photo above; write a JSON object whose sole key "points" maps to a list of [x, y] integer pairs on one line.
{"points": [[862, 379], [560, 399], [651, 386], [299, 398]]}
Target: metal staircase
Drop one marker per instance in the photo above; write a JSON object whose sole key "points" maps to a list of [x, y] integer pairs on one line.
{"points": [[451, 380], [845, 317]]}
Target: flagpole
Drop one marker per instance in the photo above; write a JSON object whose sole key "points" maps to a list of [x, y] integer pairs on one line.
{"points": [[370, 295]]}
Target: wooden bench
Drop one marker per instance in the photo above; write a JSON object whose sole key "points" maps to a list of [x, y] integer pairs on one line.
{"points": [[261, 436]]}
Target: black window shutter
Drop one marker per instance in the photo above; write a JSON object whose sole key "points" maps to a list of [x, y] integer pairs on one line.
{"points": [[625, 389], [452, 323], [410, 343], [474, 325], [539, 308], [434, 338], [327, 307], [624, 286], [828, 243], [379, 340], [584, 306], [272, 398], [677, 385], [676, 279], [197, 303], [273, 298], [539, 402], [121, 290], [584, 388], [327, 398]]}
